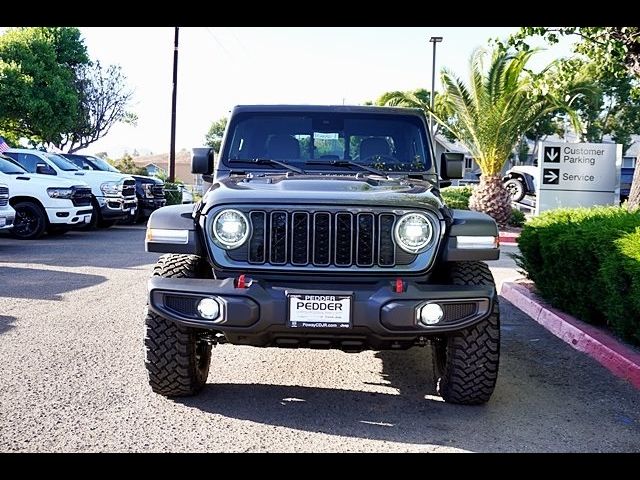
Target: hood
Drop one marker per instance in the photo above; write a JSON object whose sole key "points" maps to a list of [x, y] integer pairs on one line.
{"points": [[89, 175], [323, 189], [146, 179], [45, 181]]}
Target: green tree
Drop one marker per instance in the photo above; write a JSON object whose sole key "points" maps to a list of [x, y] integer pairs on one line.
{"points": [[500, 102], [38, 98], [615, 50], [215, 133], [127, 165], [103, 101], [419, 98]]}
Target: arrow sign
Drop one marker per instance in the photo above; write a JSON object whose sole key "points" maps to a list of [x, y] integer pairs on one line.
{"points": [[550, 176], [552, 154]]}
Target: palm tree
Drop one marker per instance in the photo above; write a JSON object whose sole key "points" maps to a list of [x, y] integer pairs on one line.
{"points": [[490, 114]]}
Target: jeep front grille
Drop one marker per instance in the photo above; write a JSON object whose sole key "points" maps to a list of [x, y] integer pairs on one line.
{"points": [[321, 239], [4, 196]]}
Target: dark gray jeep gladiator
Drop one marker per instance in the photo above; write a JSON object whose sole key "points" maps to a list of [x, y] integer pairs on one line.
{"points": [[324, 227]]}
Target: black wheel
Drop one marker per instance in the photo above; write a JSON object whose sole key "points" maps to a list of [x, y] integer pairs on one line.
{"points": [[177, 357], [466, 362], [516, 189], [30, 221], [56, 230]]}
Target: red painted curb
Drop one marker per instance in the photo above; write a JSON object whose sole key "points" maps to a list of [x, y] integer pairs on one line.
{"points": [[615, 356], [508, 238]]}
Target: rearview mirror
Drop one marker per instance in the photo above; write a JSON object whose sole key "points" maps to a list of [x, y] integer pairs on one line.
{"points": [[44, 169], [451, 165], [202, 160]]}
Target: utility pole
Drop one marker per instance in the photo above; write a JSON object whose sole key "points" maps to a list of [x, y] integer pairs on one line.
{"points": [[434, 40], [172, 149]]}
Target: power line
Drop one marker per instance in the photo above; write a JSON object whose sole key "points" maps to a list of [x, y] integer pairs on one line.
{"points": [[210, 32]]}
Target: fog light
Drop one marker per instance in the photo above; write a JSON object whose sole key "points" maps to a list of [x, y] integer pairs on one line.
{"points": [[430, 314], [208, 308]]}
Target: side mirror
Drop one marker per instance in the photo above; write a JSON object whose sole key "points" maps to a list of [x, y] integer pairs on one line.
{"points": [[44, 169], [451, 165], [202, 160]]}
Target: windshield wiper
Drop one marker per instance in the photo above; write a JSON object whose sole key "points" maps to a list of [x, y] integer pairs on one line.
{"points": [[270, 161], [347, 163]]}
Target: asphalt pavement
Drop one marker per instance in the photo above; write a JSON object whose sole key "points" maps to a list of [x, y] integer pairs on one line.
{"points": [[72, 376]]}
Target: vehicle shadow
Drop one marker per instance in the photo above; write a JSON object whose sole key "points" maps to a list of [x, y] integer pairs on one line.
{"points": [[118, 247], [6, 323], [40, 284], [542, 385]]}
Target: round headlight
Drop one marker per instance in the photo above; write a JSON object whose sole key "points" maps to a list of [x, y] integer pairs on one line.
{"points": [[230, 228], [413, 232]]}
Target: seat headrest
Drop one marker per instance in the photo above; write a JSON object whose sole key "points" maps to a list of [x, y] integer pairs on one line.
{"points": [[283, 147], [374, 146]]}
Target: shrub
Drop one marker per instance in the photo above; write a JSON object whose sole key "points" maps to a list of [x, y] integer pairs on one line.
{"points": [[517, 218], [578, 259], [457, 197], [621, 278], [172, 193]]}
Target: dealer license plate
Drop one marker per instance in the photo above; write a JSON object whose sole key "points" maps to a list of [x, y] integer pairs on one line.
{"points": [[133, 211], [87, 218], [319, 311]]}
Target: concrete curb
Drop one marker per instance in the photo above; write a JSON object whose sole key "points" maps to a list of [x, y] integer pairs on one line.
{"points": [[509, 238], [616, 357]]}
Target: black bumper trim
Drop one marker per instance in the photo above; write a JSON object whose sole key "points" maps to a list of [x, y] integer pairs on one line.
{"points": [[263, 320]]}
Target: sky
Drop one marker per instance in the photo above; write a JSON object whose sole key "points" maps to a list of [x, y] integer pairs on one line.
{"points": [[220, 67]]}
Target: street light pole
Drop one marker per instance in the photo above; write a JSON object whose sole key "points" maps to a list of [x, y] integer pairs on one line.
{"points": [[434, 40], [172, 148]]}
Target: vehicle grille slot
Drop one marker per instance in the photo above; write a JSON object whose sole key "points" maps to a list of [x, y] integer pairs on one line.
{"points": [[4, 196], [300, 238], [365, 236], [81, 196], [158, 191], [278, 238], [343, 239], [321, 239], [258, 242], [128, 188], [458, 311], [183, 305], [386, 244]]}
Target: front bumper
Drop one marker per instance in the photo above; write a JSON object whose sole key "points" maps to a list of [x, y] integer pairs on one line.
{"points": [[70, 215], [148, 205], [6, 218], [380, 317], [117, 208]]}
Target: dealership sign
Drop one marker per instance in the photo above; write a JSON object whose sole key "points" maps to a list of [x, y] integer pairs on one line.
{"points": [[578, 174]]}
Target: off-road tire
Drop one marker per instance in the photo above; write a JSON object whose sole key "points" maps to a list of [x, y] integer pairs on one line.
{"points": [[516, 189], [466, 362], [177, 358]]}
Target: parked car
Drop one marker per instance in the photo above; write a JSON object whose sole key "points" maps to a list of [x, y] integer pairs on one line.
{"points": [[626, 178], [149, 190], [44, 203], [520, 181], [113, 194], [324, 227], [7, 213]]}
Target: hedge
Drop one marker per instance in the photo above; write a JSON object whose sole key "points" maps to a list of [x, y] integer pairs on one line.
{"points": [[586, 262]]}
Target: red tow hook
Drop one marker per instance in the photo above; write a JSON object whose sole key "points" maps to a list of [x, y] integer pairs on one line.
{"points": [[241, 282], [399, 285]]}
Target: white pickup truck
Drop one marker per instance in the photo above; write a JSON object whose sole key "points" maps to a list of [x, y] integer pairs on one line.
{"points": [[114, 194], [7, 213], [42, 203]]}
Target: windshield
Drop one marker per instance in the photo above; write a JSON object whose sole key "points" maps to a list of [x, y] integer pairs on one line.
{"points": [[10, 168], [100, 164], [61, 163], [318, 141]]}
